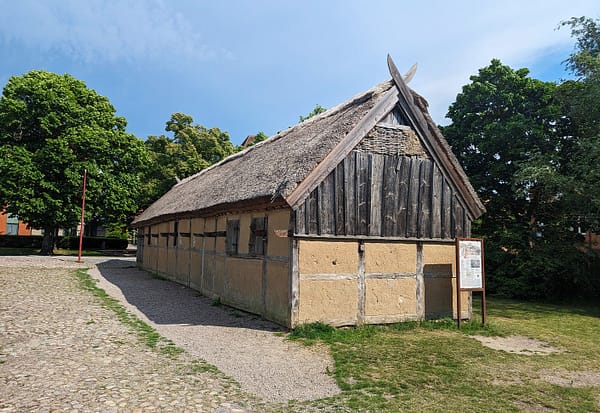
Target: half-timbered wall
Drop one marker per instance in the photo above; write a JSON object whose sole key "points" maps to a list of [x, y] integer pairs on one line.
{"points": [[242, 259], [384, 195]]}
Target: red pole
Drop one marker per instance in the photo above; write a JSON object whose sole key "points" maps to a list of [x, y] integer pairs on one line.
{"points": [[82, 210]]}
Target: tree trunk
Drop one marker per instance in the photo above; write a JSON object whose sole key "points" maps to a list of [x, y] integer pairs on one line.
{"points": [[48, 241]]}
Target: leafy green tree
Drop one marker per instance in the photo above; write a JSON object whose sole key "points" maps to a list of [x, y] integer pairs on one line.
{"points": [[259, 137], [191, 149], [318, 109], [581, 102], [510, 135], [52, 127]]}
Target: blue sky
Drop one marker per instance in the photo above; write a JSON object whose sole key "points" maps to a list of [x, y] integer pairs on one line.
{"points": [[249, 66]]}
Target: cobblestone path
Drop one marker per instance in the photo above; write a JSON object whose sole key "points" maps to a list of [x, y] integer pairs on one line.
{"points": [[60, 350]]}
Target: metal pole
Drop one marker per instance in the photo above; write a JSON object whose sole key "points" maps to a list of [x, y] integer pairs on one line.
{"points": [[82, 211]]}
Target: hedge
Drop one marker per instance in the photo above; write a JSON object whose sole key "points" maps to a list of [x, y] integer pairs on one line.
{"points": [[72, 243]]}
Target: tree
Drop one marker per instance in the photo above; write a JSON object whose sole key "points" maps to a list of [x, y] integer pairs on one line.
{"points": [[318, 109], [191, 149], [52, 127], [512, 139], [580, 99]]}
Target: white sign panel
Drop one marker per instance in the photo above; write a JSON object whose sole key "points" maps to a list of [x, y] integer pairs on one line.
{"points": [[470, 264]]}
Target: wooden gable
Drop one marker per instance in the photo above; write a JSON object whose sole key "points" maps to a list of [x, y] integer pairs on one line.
{"points": [[388, 178], [399, 193]]}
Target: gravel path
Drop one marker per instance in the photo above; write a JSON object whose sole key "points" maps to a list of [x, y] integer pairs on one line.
{"points": [[241, 345], [61, 351]]}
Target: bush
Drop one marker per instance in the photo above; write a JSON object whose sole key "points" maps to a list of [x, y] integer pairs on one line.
{"points": [[547, 271], [20, 241], [92, 243]]}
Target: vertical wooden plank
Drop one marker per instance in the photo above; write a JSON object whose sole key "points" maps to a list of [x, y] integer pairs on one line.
{"points": [[261, 239], [413, 198], [424, 217], [326, 204], [458, 218], [446, 210], [465, 219], [467, 223], [390, 188], [300, 219], [377, 197], [312, 213], [350, 190], [402, 195], [452, 221], [436, 203], [362, 192], [340, 203]]}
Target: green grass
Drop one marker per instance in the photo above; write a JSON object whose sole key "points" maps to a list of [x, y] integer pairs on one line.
{"points": [[432, 366], [146, 333]]}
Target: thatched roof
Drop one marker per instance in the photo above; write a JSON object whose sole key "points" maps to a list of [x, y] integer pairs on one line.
{"points": [[272, 170]]}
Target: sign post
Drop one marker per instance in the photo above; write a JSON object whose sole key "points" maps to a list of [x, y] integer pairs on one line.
{"points": [[82, 211], [470, 274]]}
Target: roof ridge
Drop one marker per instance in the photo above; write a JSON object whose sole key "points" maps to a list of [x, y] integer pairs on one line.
{"points": [[380, 87]]}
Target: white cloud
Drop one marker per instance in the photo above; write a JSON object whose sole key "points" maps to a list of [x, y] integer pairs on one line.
{"points": [[454, 42], [103, 30]]}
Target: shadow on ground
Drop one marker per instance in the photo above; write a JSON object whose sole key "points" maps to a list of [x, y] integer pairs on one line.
{"points": [[166, 302]]}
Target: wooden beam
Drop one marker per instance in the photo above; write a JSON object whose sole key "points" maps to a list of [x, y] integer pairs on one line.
{"points": [[420, 290], [361, 284], [342, 149], [410, 74], [432, 142]]}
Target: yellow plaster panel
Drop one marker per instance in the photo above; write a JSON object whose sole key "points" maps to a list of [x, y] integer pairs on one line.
{"points": [[243, 285], [222, 221], [277, 292], [184, 225], [221, 226], [209, 271], [149, 257], [278, 220], [162, 260], [391, 297], [390, 257], [328, 257], [183, 265], [196, 270], [244, 233], [329, 301], [171, 262], [219, 276], [210, 224], [197, 225], [439, 257]]}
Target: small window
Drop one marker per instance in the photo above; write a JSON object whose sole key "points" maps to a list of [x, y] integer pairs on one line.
{"points": [[233, 236], [258, 236], [149, 235], [12, 225]]}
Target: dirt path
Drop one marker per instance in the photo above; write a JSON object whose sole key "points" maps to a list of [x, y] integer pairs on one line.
{"points": [[250, 350]]}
